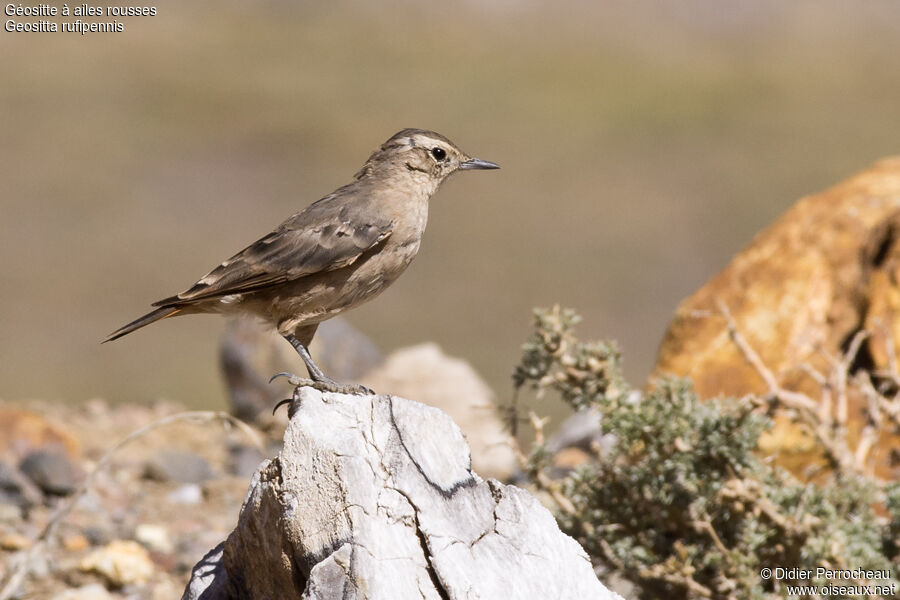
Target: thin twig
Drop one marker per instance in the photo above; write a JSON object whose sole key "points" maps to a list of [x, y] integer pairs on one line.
{"points": [[872, 431], [814, 374], [806, 408], [707, 527], [750, 355], [543, 481], [679, 579], [890, 348], [826, 412]]}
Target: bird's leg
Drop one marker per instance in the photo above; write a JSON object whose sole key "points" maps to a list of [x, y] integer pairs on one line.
{"points": [[314, 371], [318, 379]]}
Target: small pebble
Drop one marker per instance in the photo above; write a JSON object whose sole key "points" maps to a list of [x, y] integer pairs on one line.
{"points": [[75, 543], [96, 535], [53, 472], [178, 466], [10, 513], [154, 537], [14, 542], [121, 562], [189, 495]]}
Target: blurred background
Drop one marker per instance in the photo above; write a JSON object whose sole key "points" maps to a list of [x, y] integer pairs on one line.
{"points": [[642, 144]]}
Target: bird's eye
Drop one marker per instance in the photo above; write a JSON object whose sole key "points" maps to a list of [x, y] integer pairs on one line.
{"points": [[439, 153]]}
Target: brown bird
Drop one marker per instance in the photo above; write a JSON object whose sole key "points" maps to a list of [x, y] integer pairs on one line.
{"points": [[333, 255]]}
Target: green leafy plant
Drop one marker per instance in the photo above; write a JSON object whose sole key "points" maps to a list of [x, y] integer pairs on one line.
{"points": [[680, 504]]}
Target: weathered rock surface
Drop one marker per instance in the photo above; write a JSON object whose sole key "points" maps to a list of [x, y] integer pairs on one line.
{"points": [[804, 286], [426, 373], [373, 497]]}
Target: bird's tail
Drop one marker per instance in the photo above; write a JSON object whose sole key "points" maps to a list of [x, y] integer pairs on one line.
{"points": [[156, 315]]}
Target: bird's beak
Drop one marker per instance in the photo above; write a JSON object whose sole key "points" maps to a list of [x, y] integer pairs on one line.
{"points": [[477, 163]]}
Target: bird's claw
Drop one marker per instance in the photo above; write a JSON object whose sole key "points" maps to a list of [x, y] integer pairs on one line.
{"points": [[325, 385], [294, 380], [282, 403], [295, 397]]}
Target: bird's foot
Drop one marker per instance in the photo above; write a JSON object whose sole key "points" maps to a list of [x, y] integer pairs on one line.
{"points": [[323, 385]]}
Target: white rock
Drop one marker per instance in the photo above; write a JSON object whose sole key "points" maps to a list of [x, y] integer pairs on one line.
{"points": [[424, 372], [373, 497]]}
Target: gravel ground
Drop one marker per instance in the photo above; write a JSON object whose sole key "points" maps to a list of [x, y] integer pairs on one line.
{"points": [[162, 501]]}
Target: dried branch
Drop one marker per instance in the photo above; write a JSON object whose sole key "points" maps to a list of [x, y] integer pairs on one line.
{"points": [[788, 397], [807, 410], [540, 478], [678, 579]]}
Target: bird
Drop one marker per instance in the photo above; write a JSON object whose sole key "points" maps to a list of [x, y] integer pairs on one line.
{"points": [[330, 257]]}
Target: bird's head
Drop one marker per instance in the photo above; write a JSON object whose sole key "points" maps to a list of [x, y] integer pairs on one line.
{"points": [[422, 155]]}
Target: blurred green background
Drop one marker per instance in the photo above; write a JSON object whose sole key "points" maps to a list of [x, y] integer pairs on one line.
{"points": [[642, 144]]}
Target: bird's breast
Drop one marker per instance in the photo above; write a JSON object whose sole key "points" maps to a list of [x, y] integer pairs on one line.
{"points": [[410, 219], [388, 261]]}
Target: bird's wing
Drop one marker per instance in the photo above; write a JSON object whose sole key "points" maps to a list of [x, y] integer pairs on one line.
{"points": [[324, 237]]}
